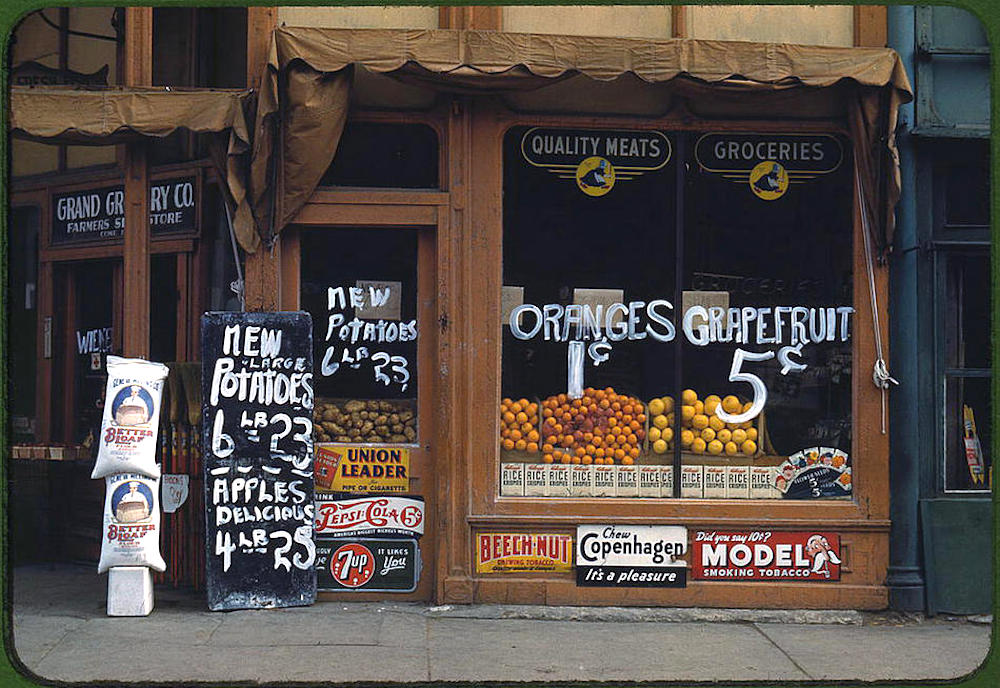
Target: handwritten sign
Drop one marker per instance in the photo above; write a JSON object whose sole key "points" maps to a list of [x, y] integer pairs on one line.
{"points": [[175, 491], [257, 436], [99, 214], [361, 468], [368, 340]]}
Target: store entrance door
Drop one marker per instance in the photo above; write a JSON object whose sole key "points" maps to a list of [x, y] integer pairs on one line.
{"points": [[371, 293]]}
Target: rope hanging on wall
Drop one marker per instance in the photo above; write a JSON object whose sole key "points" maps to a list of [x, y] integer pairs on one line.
{"points": [[880, 372]]}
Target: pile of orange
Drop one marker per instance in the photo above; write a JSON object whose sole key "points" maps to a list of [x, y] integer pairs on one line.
{"points": [[519, 425], [601, 427]]}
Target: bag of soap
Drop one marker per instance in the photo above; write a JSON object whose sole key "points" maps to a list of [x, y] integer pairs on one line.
{"points": [[131, 418]]}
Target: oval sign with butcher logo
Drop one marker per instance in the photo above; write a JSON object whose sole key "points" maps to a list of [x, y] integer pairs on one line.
{"points": [[595, 159], [769, 163]]}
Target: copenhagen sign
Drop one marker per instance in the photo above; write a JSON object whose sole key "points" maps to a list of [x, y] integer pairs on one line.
{"points": [[99, 214], [631, 556]]}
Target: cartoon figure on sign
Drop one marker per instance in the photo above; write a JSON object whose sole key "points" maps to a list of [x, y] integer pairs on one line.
{"points": [[595, 176], [132, 406], [768, 180], [785, 477], [818, 547], [131, 502]]}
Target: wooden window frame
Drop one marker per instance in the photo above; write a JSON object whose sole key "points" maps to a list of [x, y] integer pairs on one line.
{"points": [[868, 508]]}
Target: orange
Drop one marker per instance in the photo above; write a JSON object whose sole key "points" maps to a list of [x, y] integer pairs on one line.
{"points": [[532, 447], [628, 461], [520, 445], [521, 417], [509, 417], [532, 436], [587, 459], [547, 458], [565, 459], [575, 459], [515, 435], [508, 444]]}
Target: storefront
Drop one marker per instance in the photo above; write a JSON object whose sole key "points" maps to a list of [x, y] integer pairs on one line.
{"points": [[69, 259], [583, 296], [593, 285]]}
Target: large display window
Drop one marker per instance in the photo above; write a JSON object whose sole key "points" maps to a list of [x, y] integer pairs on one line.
{"points": [[677, 314]]}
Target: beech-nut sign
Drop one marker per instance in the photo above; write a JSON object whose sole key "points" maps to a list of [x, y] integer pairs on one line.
{"points": [[596, 159], [768, 163]]}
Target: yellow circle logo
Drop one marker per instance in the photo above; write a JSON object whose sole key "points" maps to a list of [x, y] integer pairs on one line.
{"points": [[595, 176], [768, 180]]}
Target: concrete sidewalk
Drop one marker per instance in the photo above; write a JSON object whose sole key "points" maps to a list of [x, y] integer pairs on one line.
{"points": [[61, 632]]}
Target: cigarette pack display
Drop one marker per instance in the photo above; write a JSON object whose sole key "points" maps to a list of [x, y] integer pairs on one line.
{"points": [[649, 481], [559, 480], [692, 481], [626, 481], [604, 481], [512, 479], [581, 480], [666, 481], [715, 482], [738, 482], [536, 478]]}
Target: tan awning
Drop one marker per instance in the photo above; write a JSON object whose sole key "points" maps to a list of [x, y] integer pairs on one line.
{"points": [[309, 75], [118, 115]]}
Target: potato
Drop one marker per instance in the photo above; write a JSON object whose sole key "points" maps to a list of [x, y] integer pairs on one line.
{"points": [[394, 418], [354, 405], [410, 433], [398, 439], [343, 438], [329, 415], [371, 405], [397, 428]]}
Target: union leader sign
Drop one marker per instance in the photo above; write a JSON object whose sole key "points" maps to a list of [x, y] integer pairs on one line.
{"points": [[765, 555]]}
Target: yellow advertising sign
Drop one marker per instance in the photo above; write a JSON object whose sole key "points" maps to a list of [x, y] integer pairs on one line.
{"points": [[503, 552], [361, 468]]}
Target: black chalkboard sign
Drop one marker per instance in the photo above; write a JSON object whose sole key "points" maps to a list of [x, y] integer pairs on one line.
{"points": [[257, 403]]}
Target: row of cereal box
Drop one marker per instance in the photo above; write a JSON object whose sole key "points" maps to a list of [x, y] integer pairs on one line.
{"points": [[577, 480]]}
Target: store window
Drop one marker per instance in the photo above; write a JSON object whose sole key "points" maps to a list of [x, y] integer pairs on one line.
{"points": [[360, 287], [384, 154], [22, 314], [961, 239], [677, 314]]}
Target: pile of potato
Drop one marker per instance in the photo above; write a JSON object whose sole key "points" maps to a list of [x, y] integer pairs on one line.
{"points": [[364, 421]]}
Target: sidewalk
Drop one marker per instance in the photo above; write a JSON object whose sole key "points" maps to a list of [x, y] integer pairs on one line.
{"points": [[61, 632]]}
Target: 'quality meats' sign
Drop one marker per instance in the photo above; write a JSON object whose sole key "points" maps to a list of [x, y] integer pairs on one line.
{"points": [[631, 556], [503, 552], [595, 158], [381, 516], [765, 555]]}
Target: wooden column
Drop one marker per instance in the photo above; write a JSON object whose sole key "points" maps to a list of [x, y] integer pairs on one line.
{"points": [[260, 24], [678, 21], [871, 26], [138, 72], [487, 18]]}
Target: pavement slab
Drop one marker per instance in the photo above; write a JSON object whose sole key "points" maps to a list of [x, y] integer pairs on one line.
{"points": [[523, 650], [297, 626], [870, 653]]}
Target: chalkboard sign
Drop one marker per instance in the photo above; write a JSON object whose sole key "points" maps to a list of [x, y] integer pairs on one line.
{"points": [[257, 402]]}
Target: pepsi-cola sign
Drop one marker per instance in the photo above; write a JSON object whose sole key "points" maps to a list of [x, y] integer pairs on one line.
{"points": [[379, 516]]}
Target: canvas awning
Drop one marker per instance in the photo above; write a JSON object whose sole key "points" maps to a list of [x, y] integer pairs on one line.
{"points": [[305, 91], [119, 115]]}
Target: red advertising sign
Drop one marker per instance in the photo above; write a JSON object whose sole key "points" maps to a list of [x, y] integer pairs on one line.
{"points": [[765, 555], [383, 516]]}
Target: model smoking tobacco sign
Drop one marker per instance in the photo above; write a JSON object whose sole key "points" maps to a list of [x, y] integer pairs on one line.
{"points": [[257, 437], [596, 159], [765, 555], [768, 163]]}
